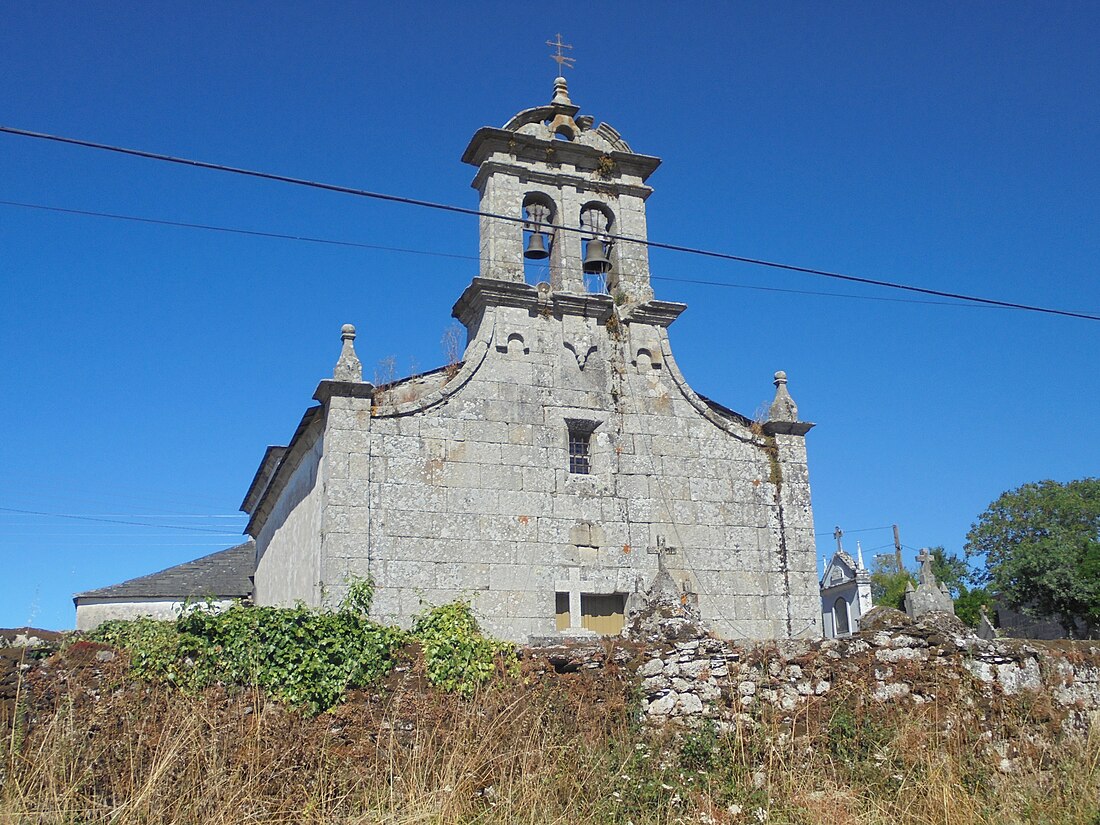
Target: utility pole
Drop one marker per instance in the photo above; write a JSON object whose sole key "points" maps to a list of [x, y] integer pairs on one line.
{"points": [[897, 549]]}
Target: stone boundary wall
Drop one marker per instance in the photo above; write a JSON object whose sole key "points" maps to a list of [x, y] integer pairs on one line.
{"points": [[685, 673]]}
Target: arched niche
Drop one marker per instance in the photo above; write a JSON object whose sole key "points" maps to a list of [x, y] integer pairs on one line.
{"points": [[646, 361], [842, 620], [513, 346], [597, 223], [539, 216]]}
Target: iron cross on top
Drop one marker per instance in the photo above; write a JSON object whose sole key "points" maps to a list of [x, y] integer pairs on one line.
{"points": [[662, 548], [559, 58]]}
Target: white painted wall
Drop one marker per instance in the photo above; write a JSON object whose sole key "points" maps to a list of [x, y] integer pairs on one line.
{"points": [[91, 613], [289, 545]]}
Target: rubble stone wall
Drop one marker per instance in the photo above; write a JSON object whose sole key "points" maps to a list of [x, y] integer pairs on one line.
{"points": [[683, 672]]}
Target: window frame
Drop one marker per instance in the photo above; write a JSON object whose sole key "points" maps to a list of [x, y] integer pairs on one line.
{"points": [[578, 446], [580, 452]]}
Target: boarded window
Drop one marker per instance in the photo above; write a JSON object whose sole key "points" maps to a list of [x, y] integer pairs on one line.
{"points": [[840, 617], [561, 609], [602, 613]]}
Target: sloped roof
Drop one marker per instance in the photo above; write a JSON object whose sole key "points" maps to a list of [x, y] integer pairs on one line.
{"points": [[845, 564], [224, 574], [725, 411]]}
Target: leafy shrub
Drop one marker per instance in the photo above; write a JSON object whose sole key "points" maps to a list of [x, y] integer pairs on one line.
{"points": [[699, 751], [854, 736], [457, 656], [304, 657], [156, 648]]}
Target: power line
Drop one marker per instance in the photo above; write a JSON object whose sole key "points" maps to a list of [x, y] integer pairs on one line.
{"points": [[881, 547], [160, 515], [62, 535], [144, 544], [825, 294], [860, 530], [364, 193], [233, 230], [376, 247], [110, 520]]}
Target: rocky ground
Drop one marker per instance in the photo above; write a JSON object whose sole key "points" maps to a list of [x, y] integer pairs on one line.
{"points": [[21, 649]]}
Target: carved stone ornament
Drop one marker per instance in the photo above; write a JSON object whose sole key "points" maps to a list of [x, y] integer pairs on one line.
{"points": [[348, 368]]}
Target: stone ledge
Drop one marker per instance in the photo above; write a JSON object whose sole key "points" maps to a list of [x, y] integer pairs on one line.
{"points": [[488, 141], [654, 313], [590, 305], [328, 388], [487, 292], [787, 427]]}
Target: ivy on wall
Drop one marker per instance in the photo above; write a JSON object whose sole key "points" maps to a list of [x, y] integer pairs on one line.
{"points": [[306, 657]]}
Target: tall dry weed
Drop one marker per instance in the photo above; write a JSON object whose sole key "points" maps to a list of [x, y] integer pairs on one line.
{"points": [[559, 749]]}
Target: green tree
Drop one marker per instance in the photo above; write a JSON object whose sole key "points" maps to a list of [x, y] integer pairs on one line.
{"points": [[950, 570], [954, 572], [1041, 545], [888, 583], [969, 603]]}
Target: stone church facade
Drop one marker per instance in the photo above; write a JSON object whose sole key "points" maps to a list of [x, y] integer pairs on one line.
{"points": [[551, 472]]}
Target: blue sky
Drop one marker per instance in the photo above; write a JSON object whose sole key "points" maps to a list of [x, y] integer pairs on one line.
{"points": [[145, 368]]}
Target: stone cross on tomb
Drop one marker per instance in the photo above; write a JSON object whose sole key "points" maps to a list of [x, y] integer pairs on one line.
{"points": [[926, 574], [661, 551], [838, 534], [573, 586], [559, 58]]}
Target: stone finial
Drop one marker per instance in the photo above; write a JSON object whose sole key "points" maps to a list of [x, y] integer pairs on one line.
{"points": [[783, 407], [561, 93], [348, 368], [859, 556]]}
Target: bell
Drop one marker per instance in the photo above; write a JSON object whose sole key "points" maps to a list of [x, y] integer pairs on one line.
{"points": [[536, 247], [595, 258]]}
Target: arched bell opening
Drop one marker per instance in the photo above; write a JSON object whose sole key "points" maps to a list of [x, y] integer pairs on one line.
{"points": [[538, 236], [597, 225]]}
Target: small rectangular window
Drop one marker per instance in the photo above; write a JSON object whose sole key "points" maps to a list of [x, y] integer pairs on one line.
{"points": [[579, 445], [561, 610]]}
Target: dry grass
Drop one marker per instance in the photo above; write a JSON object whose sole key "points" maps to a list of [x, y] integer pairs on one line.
{"points": [[556, 749]]}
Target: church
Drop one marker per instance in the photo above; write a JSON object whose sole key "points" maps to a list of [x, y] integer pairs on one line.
{"points": [[557, 466]]}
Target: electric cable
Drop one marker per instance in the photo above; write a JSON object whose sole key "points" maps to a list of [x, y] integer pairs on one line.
{"points": [[365, 193], [111, 520], [456, 256], [860, 530]]}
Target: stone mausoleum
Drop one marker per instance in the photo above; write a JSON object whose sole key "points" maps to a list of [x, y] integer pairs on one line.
{"points": [[552, 471], [845, 591]]}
